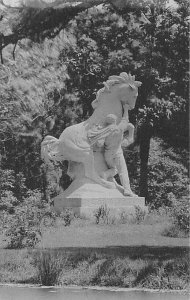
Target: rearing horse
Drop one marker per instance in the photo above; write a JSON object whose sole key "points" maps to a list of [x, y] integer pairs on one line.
{"points": [[74, 143]]}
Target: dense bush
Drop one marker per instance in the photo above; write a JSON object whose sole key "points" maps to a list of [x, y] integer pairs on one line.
{"points": [[24, 227], [168, 174], [31, 90], [181, 214], [179, 225]]}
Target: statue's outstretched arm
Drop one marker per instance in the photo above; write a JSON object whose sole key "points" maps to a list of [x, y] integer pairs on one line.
{"points": [[125, 119], [126, 126]]}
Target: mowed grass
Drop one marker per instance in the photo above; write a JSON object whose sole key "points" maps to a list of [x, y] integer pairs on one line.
{"points": [[86, 233]]}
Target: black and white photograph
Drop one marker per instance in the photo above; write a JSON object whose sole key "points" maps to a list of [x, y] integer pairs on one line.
{"points": [[94, 150]]}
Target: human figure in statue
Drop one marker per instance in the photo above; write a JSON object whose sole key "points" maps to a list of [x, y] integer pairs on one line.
{"points": [[76, 143], [113, 152]]}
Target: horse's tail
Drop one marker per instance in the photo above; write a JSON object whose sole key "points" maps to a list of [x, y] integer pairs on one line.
{"points": [[50, 150]]}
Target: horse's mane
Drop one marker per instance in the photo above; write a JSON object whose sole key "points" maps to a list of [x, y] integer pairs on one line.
{"points": [[114, 81], [122, 78]]}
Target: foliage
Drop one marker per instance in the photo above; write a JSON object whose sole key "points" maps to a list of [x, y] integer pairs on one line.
{"points": [[102, 214], [139, 215], [179, 227], [24, 227], [84, 66], [6, 181], [148, 48], [167, 118], [181, 214], [36, 22], [51, 85], [8, 202], [133, 164], [49, 266], [12, 189], [168, 174], [176, 129], [28, 103], [158, 270], [107, 270], [16, 266], [162, 276], [67, 216]]}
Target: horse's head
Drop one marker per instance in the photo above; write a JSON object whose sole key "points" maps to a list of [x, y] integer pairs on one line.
{"points": [[121, 88]]}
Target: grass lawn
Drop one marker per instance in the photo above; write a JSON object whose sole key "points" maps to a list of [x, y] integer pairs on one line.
{"points": [[85, 253], [86, 234]]}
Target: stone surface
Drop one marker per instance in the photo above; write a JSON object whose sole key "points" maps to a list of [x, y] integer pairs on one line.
{"points": [[86, 207], [84, 197], [93, 147], [94, 153]]}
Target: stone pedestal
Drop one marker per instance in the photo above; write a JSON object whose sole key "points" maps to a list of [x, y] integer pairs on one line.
{"points": [[84, 197]]}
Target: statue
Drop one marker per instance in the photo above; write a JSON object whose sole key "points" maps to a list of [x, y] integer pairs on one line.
{"points": [[102, 132]]}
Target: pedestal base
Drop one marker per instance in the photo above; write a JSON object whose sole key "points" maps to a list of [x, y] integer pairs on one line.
{"points": [[85, 197], [87, 207]]}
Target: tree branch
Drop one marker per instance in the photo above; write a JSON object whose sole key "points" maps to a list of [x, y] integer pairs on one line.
{"points": [[14, 50], [39, 19], [41, 4]]}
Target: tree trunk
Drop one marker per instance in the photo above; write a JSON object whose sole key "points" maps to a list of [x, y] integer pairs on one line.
{"points": [[146, 133]]}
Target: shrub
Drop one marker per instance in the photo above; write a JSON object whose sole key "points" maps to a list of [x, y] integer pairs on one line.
{"points": [[24, 227], [139, 215], [180, 219], [102, 214], [7, 181], [8, 202], [49, 266], [136, 217], [168, 175], [67, 216], [12, 189], [181, 214]]}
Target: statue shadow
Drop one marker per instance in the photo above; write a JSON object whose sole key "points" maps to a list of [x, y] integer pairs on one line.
{"points": [[133, 252]]}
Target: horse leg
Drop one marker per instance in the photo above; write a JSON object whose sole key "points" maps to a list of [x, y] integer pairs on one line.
{"points": [[89, 168], [73, 153]]}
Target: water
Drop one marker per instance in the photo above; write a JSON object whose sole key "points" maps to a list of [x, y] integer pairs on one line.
{"points": [[38, 293]]}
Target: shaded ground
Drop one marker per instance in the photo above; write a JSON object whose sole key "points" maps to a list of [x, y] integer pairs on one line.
{"points": [[132, 252]]}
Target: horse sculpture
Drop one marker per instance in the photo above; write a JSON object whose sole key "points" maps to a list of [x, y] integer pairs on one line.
{"points": [[77, 143]]}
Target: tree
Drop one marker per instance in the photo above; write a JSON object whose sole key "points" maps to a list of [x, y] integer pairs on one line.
{"points": [[141, 39], [166, 38], [28, 107], [124, 42], [38, 19]]}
